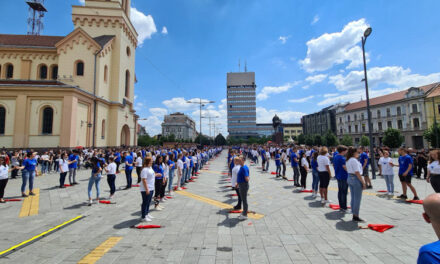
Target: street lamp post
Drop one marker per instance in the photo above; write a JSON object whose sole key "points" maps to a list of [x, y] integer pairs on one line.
{"points": [[201, 103], [370, 125], [210, 118]]}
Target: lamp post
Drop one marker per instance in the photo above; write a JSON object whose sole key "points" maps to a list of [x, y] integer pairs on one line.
{"points": [[210, 118], [201, 103], [370, 125]]}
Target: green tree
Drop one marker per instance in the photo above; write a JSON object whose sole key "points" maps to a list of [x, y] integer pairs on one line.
{"points": [[220, 140], [365, 141], [347, 141], [432, 135], [301, 139], [330, 139], [309, 140], [393, 138], [318, 140]]}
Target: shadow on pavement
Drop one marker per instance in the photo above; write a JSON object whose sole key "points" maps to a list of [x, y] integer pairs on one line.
{"points": [[316, 204], [309, 198], [76, 206], [334, 215], [126, 224], [228, 222], [347, 226]]}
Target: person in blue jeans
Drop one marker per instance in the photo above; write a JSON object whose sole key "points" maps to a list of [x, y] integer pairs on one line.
{"points": [[172, 167], [184, 171], [430, 253], [29, 170], [147, 189], [341, 176], [278, 163], [294, 162], [315, 174], [355, 181], [95, 178], [128, 169]]}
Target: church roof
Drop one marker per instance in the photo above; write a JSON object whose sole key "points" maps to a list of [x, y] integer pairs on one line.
{"points": [[29, 40], [104, 39]]}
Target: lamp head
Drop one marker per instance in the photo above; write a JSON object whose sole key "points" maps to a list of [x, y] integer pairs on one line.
{"points": [[367, 32]]}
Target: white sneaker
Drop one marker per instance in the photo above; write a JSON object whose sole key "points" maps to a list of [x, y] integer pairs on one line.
{"points": [[161, 206], [179, 189], [146, 219], [328, 201], [150, 216], [162, 200], [242, 217], [323, 201], [158, 208]]}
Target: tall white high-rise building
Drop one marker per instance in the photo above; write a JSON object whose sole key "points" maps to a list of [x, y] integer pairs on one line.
{"points": [[241, 104]]}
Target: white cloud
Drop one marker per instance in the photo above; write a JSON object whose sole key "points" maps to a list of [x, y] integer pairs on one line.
{"points": [[164, 31], [82, 2], [353, 96], [284, 39], [159, 112], [335, 48], [265, 116], [315, 19], [144, 25], [305, 87], [316, 78], [396, 76], [153, 125], [268, 90], [301, 100], [330, 95], [138, 106]]}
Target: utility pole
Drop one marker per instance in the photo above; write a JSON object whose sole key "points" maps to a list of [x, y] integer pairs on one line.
{"points": [[201, 104]]}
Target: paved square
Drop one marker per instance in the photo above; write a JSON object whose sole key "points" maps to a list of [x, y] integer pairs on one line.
{"points": [[294, 228]]}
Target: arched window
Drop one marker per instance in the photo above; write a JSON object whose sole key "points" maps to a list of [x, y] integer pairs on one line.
{"points": [[103, 129], [105, 73], [127, 83], [54, 72], [79, 68], [2, 120], [9, 71], [43, 72], [47, 120]]}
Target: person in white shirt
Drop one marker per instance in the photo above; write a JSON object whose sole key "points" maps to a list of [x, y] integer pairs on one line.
{"points": [[4, 170], [166, 172], [179, 171], [148, 178], [386, 170], [138, 163], [284, 162], [111, 175], [267, 160], [235, 171], [355, 181], [304, 169], [434, 170], [64, 163], [324, 174]]}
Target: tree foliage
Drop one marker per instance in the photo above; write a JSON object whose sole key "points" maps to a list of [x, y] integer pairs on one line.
{"points": [[220, 140], [347, 141], [432, 135], [330, 139], [392, 138], [365, 141], [301, 139]]}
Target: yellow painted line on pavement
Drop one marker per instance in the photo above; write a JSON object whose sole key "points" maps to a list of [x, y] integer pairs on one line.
{"points": [[30, 204], [33, 239], [100, 251], [216, 203]]}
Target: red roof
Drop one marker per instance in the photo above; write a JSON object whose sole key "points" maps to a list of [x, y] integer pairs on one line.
{"points": [[386, 98], [29, 40]]}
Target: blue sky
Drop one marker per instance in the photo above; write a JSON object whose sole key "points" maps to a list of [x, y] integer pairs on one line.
{"points": [[306, 54]]}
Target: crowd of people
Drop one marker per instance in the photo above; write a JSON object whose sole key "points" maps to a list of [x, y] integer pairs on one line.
{"points": [[155, 168]]}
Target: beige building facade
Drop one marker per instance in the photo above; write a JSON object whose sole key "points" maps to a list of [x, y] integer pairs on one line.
{"points": [[74, 90]]}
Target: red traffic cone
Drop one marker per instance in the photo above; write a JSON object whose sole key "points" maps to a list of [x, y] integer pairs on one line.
{"points": [[380, 227]]}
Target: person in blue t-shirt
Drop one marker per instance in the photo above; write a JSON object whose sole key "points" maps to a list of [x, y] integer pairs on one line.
{"points": [[405, 173], [73, 167], [278, 163], [294, 163], [159, 182], [430, 253], [243, 187], [365, 162], [117, 160], [342, 176], [94, 179], [315, 182], [263, 159], [128, 169], [29, 171]]}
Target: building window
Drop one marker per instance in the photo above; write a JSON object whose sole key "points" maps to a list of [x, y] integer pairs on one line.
{"points": [[42, 72], [355, 117], [340, 130], [340, 119], [348, 118], [128, 51], [399, 110], [127, 83], [9, 71], [416, 123], [362, 116], [438, 108], [414, 108], [105, 73], [378, 113], [79, 67], [349, 129], [103, 129], [54, 72], [363, 127], [379, 125], [47, 120], [2, 120], [355, 128], [388, 112], [389, 124], [399, 124]]}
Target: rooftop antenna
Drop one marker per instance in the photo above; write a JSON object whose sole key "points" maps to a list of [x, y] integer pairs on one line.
{"points": [[239, 65], [36, 14], [245, 66]]}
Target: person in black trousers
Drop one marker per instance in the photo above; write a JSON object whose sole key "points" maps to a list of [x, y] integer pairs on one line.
{"points": [[422, 163], [4, 170]]}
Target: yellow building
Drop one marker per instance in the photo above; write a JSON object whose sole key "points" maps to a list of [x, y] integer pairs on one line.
{"points": [[291, 131], [432, 105], [74, 90]]}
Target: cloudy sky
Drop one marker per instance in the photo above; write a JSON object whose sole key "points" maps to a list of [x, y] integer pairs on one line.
{"points": [[306, 54]]}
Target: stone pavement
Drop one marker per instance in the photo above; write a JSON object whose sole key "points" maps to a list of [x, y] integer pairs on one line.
{"points": [[295, 228]]}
